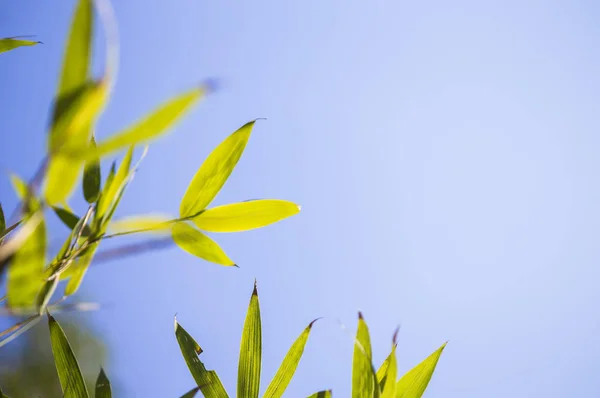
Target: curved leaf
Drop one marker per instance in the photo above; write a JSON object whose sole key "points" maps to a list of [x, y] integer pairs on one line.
{"points": [[111, 191], [250, 351], [92, 177], [192, 393], [207, 380], [9, 43], [195, 242], [322, 394], [245, 216], [362, 374], [79, 269], [103, 389], [288, 366], [213, 173], [69, 374], [414, 383]]}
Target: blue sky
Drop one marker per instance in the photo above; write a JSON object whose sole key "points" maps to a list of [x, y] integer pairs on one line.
{"points": [[444, 153]]}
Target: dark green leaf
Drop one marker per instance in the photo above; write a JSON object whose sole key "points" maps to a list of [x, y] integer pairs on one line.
{"points": [[92, 178], [70, 220], [192, 393], [103, 389], [322, 394], [2, 220], [69, 373], [250, 351]]}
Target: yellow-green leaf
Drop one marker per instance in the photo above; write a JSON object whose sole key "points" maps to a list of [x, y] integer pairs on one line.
{"points": [[25, 276], [414, 383], [20, 186], [322, 394], [155, 124], [195, 242], [9, 43], [70, 219], [250, 351], [103, 389], [386, 376], [207, 380], [362, 373], [69, 373], [245, 216], [213, 173], [92, 177], [288, 366], [145, 223], [111, 191], [79, 269], [46, 293]]}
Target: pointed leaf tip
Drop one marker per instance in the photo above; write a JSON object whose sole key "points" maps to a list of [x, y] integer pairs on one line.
{"points": [[395, 336], [310, 325], [255, 291], [360, 315]]}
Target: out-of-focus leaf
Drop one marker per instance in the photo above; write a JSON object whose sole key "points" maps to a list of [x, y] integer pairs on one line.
{"points": [[103, 389], [288, 366], [11, 43], [213, 173], [322, 394], [26, 270], [207, 380], [386, 376], [250, 351], [245, 216], [362, 373], [19, 186], [92, 177], [195, 242], [192, 393], [153, 125], [2, 219], [69, 374], [2, 395], [149, 222], [8, 230], [19, 238], [46, 293], [70, 219], [111, 190], [79, 269], [415, 381]]}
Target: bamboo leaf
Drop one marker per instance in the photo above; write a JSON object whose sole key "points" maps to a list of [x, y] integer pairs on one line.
{"points": [[9, 43], [195, 242], [2, 395], [288, 366], [70, 220], [103, 389], [92, 177], [145, 223], [362, 374], [387, 380], [69, 374], [111, 191], [322, 394], [2, 220], [414, 383], [79, 269], [46, 293], [214, 172], [245, 216], [250, 351], [192, 393], [207, 380]]}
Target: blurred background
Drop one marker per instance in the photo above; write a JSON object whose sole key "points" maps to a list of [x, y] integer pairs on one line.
{"points": [[444, 154]]}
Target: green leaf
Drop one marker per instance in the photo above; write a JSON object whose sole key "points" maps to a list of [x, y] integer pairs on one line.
{"points": [[245, 216], [213, 173], [207, 380], [2, 219], [2, 395], [20, 186], [387, 378], [92, 177], [46, 293], [322, 394], [111, 191], [195, 242], [69, 374], [79, 269], [25, 276], [103, 389], [362, 374], [155, 124], [414, 383], [8, 44], [70, 219], [288, 366], [145, 223], [192, 393], [250, 351]]}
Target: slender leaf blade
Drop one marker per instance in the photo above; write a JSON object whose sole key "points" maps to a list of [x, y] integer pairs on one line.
{"points": [[46, 293], [70, 219], [142, 223], [289, 365], [111, 190], [2, 219], [69, 373], [322, 394], [192, 393], [103, 389], [387, 381], [250, 351], [9, 43], [207, 380], [79, 269], [245, 216], [214, 172], [362, 374], [195, 242], [414, 383], [92, 177]]}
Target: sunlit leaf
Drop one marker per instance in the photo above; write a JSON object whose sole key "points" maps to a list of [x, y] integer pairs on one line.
{"points": [[103, 389], [362, 374], [195, 242], [250, 351], [79, 268], [322, 394], [386, 376], [414, 383], [192, 393], [69, 374], [145, 223], [11, 43], [26, 269], [111, 190], [92, 177], [20, 186], [207, 380], [70, 219], [46, 293], [213, 173], [288, 366], [245, 216]]}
